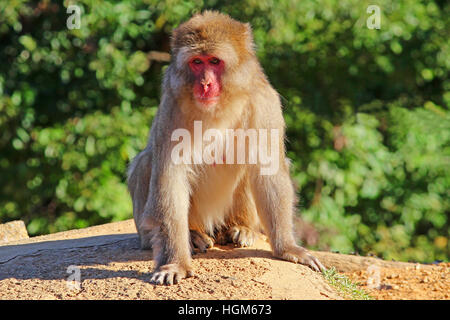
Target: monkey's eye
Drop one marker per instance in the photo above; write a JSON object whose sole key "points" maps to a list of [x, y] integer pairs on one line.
{"points": [[214, 61], [197, 61]]}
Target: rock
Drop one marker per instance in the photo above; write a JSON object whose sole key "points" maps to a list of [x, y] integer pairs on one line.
{"points": [[13, 231], [425, 280], [113, 267]]}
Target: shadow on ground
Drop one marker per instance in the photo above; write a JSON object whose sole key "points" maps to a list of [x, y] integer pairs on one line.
{"points": [[50, 259]]}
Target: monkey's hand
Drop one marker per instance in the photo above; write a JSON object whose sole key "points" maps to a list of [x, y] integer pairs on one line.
{"points": [[170, 274], [298, 254]]}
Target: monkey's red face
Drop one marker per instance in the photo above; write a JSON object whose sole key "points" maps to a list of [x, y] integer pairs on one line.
{"points": [[207, 72]]}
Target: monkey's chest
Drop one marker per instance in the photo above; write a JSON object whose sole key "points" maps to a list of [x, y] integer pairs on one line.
{"points": [[212, 194]]}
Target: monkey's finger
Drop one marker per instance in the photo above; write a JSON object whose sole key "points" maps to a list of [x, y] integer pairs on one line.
{"points": [[301, 255], [315, 264], [189, 274], [157, 278], [177, 277], [234, 234], [320, 265], [201, 241], [308, 261], [242, 236], [169, 278], [247, 238]]}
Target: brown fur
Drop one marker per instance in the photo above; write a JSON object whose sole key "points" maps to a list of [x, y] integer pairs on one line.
{"points": [[227, 201]]}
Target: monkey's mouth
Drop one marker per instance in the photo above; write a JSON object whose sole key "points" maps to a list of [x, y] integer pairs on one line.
{"points": [[207, 101]]}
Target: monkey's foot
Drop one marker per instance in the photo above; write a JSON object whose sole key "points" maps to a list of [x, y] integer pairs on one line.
{"points": [[145, 240], [242, 236], [300, 255], [239, 235], [201, 240], [170, 274]]}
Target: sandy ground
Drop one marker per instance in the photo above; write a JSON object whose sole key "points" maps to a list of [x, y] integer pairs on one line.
{"points": [[410, 283], [111, 266]]}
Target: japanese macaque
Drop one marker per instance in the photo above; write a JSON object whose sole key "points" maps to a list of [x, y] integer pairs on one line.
{"points": [[215, 79]]}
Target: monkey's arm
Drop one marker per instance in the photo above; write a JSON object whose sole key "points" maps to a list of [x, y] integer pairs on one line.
{"points": [[139, 173], [274, 198], [165, 220], [273, 192]]}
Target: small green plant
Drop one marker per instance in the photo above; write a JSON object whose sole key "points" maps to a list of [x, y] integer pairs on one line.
{"points": [[345, 286]]}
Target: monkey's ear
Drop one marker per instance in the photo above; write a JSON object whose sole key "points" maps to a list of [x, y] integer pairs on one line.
{"points": [[248, 33], [173, 37]]}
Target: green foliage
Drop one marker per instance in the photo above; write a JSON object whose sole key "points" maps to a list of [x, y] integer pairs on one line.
{"points": [[381, 188], [343, 284], [366, 111]]}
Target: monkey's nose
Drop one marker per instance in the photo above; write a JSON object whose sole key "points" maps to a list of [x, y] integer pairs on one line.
{"points": [[206, 86]]}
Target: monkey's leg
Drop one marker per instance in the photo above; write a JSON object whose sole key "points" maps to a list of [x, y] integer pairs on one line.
{"points": [[243, 221], [166, 217], [139, 174], [274, 198]]}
